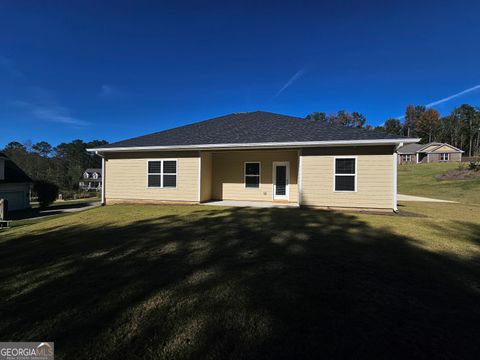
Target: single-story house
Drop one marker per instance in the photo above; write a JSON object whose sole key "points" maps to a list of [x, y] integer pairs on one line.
{"points": [[91, 180], [255, 156], [14, 184], [427, 153]]}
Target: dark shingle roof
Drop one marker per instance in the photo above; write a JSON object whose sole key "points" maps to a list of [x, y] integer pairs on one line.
{"points": [[13, 174], [414, 148], [410, 148], [93, 170], [248, 128]]}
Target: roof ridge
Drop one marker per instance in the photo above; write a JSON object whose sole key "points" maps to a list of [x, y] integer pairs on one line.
{"points": [[251, 127]]}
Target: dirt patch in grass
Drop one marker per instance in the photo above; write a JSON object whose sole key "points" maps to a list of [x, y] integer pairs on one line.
{"points": [[459, 174]]}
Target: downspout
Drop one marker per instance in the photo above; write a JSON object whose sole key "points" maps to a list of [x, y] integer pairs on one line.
{"points": [[395, 161], [199, 177], [103, 178], [299, 177]]}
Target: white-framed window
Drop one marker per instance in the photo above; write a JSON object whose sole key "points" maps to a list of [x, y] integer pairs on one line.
{"points": [[162, 173], [95, 175], [85, 175], [345, 174], [444, 157], [406, 157], [252, 174]]}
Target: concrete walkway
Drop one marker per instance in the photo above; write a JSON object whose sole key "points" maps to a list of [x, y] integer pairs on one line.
{"points": [[402, 197], [256, 204]]}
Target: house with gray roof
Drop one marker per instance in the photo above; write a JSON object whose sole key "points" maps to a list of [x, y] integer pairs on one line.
{"points": [[427, 153], [255, 156], [14, 184], [91, 180]]}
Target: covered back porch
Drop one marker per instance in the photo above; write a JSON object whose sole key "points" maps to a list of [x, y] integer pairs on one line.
{"points": [[250, 175]]}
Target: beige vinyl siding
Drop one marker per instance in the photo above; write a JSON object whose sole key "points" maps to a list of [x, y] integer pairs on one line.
{"points": [[374, 177], [126, 177], [228, 174], [206, 176], [430, 148], [445, 149]]}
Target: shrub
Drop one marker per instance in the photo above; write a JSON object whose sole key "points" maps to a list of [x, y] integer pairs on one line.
{"points": [[47, 192], [474, 165]]}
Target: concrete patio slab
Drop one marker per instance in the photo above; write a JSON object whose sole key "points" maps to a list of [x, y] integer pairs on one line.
{"points": [[255, 204]]}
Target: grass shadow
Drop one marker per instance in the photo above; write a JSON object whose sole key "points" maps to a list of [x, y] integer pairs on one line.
{"points": [[237, 283]]}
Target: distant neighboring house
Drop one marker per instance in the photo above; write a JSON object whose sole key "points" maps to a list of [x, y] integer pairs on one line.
{"points": [[14, 184], [255, 156], [428, 153], [91, 180]]}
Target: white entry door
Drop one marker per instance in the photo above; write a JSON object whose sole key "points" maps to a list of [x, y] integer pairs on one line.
{"points": [[281, 180]]}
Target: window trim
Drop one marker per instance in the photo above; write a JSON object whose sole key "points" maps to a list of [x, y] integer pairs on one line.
{"points": [[355, 175], [162, 173], [447, 159], [406, 157], [245, 174]]}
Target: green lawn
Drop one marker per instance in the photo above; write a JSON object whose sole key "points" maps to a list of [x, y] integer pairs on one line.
{"points": [[149, 282], [419, 179], [173, 282]]}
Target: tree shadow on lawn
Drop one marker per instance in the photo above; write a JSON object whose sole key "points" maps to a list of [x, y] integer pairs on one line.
{"points": [[238, 283]]}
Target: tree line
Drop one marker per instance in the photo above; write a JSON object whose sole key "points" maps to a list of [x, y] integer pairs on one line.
{"points": [[460, 128], [62, 165]]}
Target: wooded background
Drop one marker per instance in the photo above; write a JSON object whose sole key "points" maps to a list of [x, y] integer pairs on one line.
{"points": [[65, 163]]}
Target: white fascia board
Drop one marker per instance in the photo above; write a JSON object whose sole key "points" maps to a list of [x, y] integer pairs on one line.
{"points": [[260, 145]]}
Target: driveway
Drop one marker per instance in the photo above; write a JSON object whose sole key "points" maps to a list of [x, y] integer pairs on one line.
{"points": [[402, 197], [54, 210]]}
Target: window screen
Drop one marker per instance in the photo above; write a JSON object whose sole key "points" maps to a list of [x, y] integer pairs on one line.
{"points": [[162, 173], [252, 175], [154, 174], [345, 173]]}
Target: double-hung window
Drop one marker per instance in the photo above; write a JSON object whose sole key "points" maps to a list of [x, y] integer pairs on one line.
{"points": [[252, 174], [444, 157], [345, 174], [162, 173], [407, 158]]}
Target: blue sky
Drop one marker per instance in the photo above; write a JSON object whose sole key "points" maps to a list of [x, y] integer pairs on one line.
{"points": [[113, 70]]}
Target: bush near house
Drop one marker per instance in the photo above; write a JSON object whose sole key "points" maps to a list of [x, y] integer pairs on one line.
{"points": [[474, 165], [46, 192]]}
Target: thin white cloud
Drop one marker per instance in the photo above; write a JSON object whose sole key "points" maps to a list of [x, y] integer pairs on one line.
{"points": [[35, 101], [292, 80], [448, 98], [49, 112], [107, 91]]}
